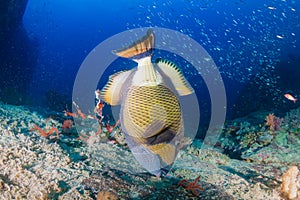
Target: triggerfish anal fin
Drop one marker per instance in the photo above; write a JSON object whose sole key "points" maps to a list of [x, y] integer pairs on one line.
{"points": [[111, 93], [170, 70], [153, 129], [140, 48]]}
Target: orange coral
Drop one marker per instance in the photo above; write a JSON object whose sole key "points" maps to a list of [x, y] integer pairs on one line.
{"points": [[273, 122], [270, 121], [70, 114], [80, 113], [74, 114], [43, 132]]}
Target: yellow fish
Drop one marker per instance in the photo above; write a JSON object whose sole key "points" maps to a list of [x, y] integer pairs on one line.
{"points": [[150, 113]]}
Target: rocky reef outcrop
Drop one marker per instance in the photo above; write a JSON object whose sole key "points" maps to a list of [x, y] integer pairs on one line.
{"points": [[17, 52]]}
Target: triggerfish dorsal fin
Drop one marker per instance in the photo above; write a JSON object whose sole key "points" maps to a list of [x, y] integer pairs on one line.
{"points": [[111, 93], [139, 49], [176, 77]]}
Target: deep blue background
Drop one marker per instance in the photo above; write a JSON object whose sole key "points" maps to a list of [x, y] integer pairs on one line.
{"points": [[243, 38]]}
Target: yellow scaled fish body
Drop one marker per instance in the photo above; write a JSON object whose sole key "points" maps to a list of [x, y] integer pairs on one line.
{"points": [[150, 112]]}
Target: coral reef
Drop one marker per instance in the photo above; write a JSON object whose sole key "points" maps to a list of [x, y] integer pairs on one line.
{"points": [[71, 168], [262, 142], [292, 121]]}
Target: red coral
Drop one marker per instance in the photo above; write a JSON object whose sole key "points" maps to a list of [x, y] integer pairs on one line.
{"points": [[67, 124], [110, 128], [193, 186]]}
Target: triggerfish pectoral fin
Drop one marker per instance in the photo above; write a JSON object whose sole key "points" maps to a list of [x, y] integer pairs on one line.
{"points": [[174, 74], [140, 48], [111, 93]]}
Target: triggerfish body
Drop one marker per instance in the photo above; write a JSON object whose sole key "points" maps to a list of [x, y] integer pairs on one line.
{"points": [[150, 113]]}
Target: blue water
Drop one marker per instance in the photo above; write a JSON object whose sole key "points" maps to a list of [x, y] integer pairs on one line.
{"points": [[254, 43]]}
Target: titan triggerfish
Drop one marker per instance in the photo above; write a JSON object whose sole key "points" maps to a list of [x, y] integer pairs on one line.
{"points": [[150, 113]]}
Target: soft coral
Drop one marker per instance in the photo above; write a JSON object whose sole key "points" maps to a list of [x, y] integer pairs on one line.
{"points": [[273, 122]]}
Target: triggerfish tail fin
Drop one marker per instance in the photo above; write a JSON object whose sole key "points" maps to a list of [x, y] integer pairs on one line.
{"points": [[173, 73], [111, 93], [139, 49]]}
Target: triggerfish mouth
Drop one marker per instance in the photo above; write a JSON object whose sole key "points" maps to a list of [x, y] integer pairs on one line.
{"points": [[150, 113]]}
